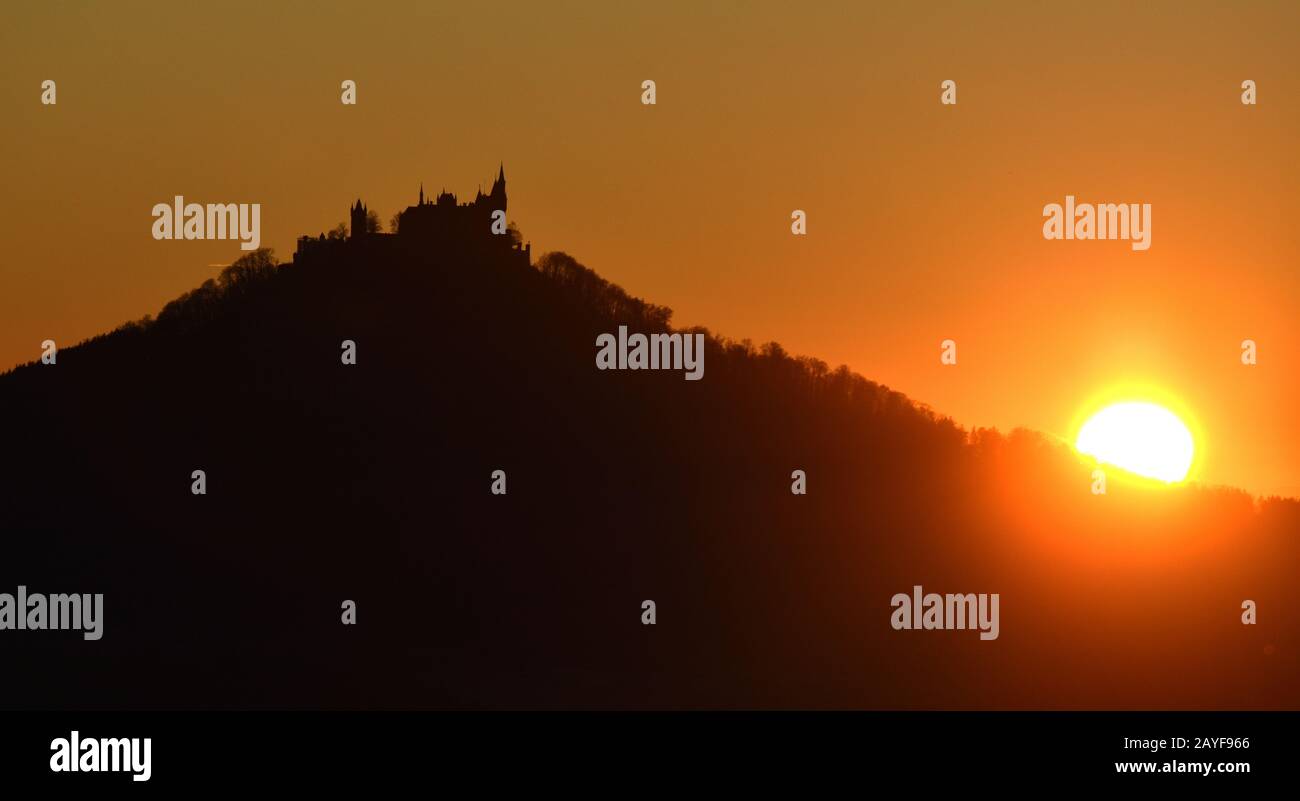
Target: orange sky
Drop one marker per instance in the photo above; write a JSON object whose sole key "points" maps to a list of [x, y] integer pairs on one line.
{"points": [[924, 220]]}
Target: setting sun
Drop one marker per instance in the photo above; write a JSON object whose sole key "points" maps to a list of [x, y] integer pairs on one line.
{"points": [[1142, 438]]}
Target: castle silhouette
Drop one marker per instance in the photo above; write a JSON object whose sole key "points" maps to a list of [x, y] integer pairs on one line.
{"points": [[442, 224]]}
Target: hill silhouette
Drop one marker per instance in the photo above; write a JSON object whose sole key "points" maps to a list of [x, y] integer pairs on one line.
{"points": [[371, 482]]}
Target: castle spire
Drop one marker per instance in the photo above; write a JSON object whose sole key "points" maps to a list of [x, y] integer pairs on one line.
{"points": [[422, 193]]}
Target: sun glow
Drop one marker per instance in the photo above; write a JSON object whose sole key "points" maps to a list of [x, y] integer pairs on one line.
{"points": [[1140, 437]]}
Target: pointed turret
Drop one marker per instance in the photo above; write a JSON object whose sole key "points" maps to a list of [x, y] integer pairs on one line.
{"points": [[358, 219], [498, 195]]}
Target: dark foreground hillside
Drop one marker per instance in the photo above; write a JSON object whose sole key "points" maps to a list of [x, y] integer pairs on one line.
{"points": [[372, 483]]}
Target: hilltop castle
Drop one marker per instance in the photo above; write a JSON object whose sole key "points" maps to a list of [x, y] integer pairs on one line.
{"points": [[442, 224]]}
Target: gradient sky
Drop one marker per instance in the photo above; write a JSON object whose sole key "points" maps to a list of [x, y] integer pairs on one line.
{"points": [[924, 221]]}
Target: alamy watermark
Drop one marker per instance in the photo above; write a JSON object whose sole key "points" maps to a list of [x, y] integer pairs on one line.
{"points": [[1131, 221], [181, 220], [931, 611], [59, 612], [653, 352], [74, 754]]}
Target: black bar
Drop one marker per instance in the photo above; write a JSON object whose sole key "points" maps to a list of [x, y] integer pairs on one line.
{"points": [[759, 749]]}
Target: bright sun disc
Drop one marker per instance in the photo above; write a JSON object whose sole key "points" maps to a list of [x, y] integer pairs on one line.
{"points": [[1142, 438]]}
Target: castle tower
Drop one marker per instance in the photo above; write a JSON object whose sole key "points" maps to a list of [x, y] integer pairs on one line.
{"points": [[358, 220], [498, 194]]}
